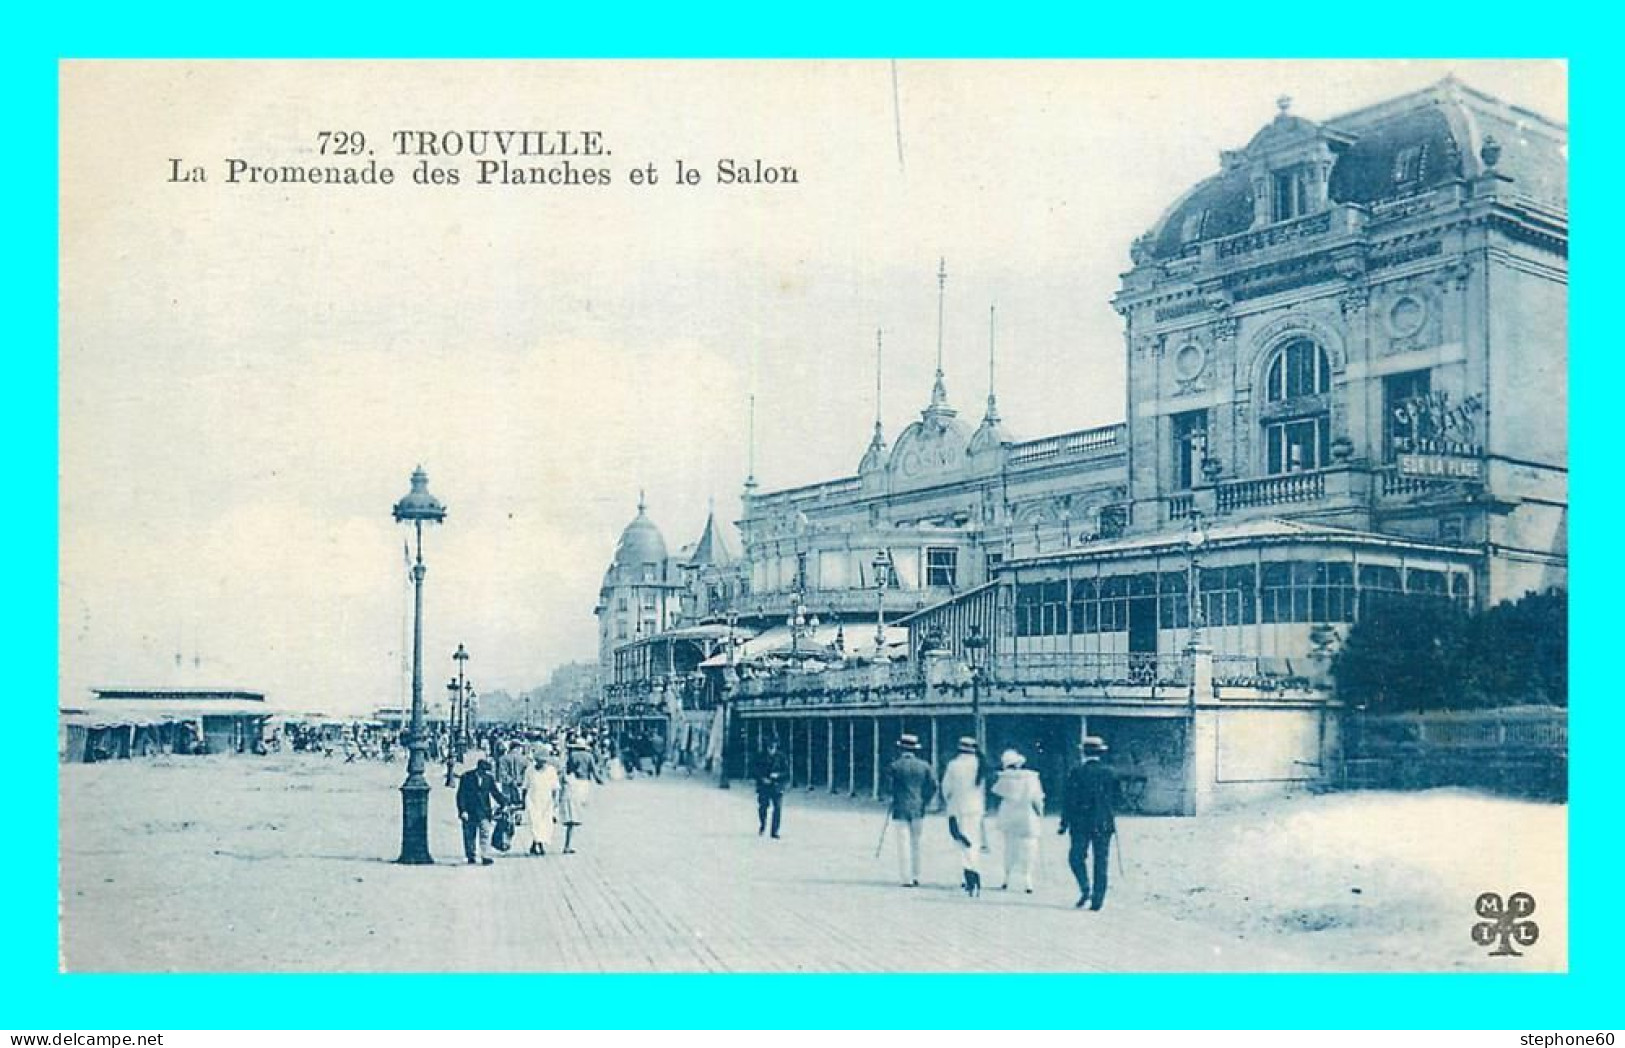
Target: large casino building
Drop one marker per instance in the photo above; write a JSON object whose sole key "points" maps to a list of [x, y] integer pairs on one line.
{"points": [[1347, 380]]}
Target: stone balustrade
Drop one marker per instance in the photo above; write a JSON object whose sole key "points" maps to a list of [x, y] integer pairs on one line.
{"points": [[1279, 490], [1068, 445]]}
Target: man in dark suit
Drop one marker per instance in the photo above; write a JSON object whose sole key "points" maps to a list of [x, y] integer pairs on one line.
{"points": [[477, 803], [772, 774], [912, 784], [1088, 813]]}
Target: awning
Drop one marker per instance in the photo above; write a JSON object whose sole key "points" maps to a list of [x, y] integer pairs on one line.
{"points": [[705, 631], [858, 641], [159, 711], [1222, 532], [92, 720]]}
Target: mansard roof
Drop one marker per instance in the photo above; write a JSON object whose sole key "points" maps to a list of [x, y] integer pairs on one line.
{"points": [[1451, 131]]}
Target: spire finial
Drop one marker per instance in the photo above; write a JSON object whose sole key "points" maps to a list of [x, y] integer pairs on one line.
{"points": [[1283, 103], [992, 330], [942, 290], [939, 391], [878, 352], [642, 502], [875, 456], [750, 444]]}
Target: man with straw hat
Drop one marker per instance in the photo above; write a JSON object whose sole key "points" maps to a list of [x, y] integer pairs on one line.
{"points": [[1088, 813], [965, 801], [913, 785]]}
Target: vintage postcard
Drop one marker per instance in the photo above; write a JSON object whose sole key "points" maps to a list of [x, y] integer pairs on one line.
{"points": [[815, 516]]}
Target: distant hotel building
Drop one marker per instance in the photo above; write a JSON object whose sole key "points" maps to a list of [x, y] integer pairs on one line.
{"points": [[1346, 359]]}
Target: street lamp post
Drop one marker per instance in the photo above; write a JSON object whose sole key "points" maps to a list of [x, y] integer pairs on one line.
{"points": [[882, 566], [461, 655], [416, 508], [975, 647], [798, 622], [1194, 541], [730, 681], [452, 690]]}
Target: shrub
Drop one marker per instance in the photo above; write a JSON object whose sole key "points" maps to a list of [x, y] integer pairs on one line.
{"points": [[1417, 654]]}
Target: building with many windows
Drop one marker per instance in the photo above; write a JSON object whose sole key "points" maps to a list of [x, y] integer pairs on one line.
{"points": [[1346, 367]]}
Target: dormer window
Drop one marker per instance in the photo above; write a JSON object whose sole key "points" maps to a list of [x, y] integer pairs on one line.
{"points": [[1191, 231], [1408, 165], [1290, 193]]}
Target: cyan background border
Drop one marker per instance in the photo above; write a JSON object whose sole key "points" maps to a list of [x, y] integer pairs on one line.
{"points": [[33, 995]]}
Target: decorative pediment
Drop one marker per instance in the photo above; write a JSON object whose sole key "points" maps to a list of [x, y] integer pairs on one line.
{"points": [[1289, 134], [930, 449]]}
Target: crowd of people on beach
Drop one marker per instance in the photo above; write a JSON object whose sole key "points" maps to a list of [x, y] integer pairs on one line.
{"points": [[535, 782], [522, 789]]}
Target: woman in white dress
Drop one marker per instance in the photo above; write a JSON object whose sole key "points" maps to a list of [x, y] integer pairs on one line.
{"points": [[964, 800], [1021, 810], [573, 792], [541, 802]]}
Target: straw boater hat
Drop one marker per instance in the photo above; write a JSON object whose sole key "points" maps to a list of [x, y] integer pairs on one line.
{"points": [[967, 744], [1012, 759], [1094, 744], [908, 742]]}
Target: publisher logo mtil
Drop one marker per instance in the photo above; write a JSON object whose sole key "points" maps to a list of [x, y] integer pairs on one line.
{"points": [[1505, 923]]}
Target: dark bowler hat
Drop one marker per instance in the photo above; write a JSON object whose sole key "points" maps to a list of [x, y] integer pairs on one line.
{"points": [[908, 742]]}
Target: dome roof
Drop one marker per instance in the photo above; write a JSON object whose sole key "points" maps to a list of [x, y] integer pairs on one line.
{"points": [[988, 436], [641, 543], [1394, 149], [874, 457]]}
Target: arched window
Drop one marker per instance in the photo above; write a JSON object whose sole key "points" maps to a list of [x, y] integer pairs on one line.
{"points": [[1297, 409], [1299, 370]]}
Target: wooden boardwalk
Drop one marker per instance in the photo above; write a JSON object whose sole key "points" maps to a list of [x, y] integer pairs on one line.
{"points": [[280, 866]]}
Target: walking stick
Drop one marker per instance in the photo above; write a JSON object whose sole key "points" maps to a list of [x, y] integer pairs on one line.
{"points": [[1119, 839], [883, 828]]}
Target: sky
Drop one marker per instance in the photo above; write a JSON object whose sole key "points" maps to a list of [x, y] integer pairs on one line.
{"points": [[249, 373]]}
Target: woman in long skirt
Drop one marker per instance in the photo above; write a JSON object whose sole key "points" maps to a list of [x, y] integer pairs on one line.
{"points": [[541, 803]]}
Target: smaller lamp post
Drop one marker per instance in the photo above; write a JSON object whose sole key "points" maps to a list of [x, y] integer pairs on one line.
{"points": [[975, 649], [730, 681], [461, 655], [452, 689], [882, 566], [797, 621], [1194, 541]]}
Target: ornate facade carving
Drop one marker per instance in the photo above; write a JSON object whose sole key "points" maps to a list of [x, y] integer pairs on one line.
{"points": [[1410, 316]]}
